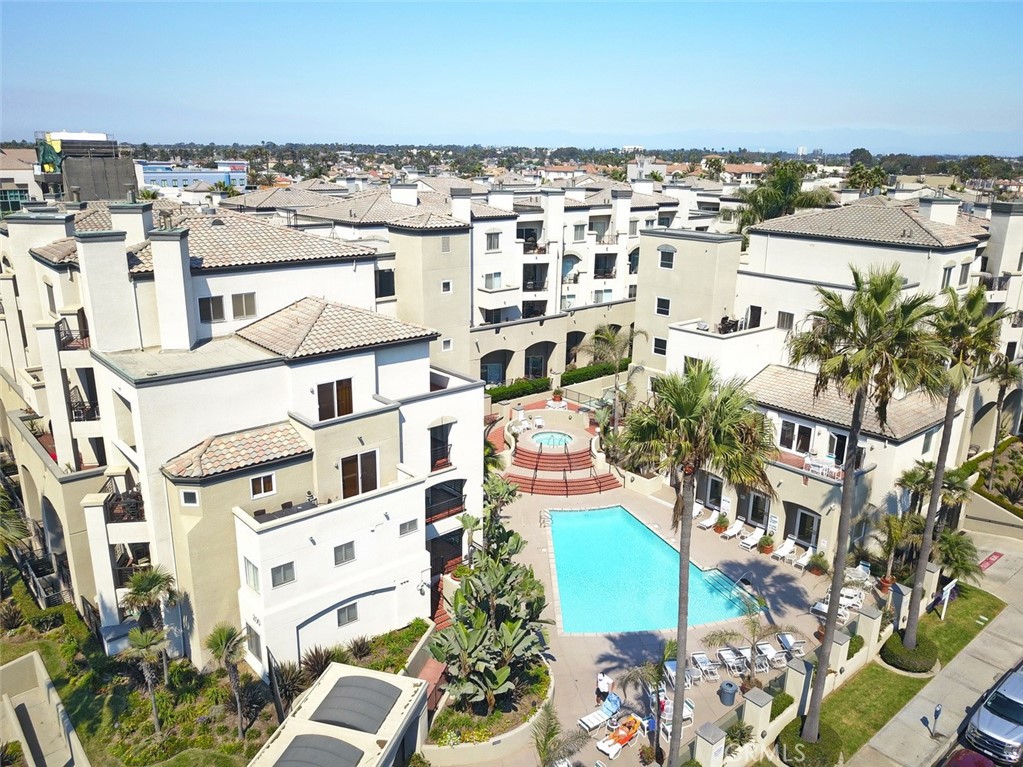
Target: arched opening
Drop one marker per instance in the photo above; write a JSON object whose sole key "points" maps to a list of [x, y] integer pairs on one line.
{"points": [[573, 340], [570, 268], [537, 359], [634, 261], [494, 366]]}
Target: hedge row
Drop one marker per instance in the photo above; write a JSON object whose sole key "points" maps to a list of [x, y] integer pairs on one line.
{"points": [[521, 388], [781, 702], [919, 660], [855, 645], [793, 750], [590, 372], [983, 460]]}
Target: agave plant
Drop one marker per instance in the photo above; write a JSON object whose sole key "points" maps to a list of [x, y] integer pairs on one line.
{"points": [[291, 682], [10, 615], [316, 660], [360, 647]]}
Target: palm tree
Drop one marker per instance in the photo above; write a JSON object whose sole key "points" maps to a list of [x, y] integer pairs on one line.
{"points": [[553, 744], [617, 174], [969, 334], [147, 591], [145, 646], [226, 188], [12, 526], [781, 194], [752, 632], [493, 463], [957, 555], [653, 675], [609, 344], [892, 534], [227, 646], [866, 347], [148, 194], [1006, 374], [697, 422], [917, 481], [864, 178]]}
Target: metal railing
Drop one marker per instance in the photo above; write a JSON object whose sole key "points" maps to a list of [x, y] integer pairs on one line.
{"points": [[535, 285], [603, 274], [122, 575], [440, 456], [448, 507], [607, 239], [84, 411], [996, 283], [123, 507], [73, 339]]}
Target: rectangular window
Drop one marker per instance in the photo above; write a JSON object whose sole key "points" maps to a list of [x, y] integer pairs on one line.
{"points": [[251, 575], [795, 437], [211, 309], [494, 241], [633, 228], [253, 642], [579, 232], [632, 291], [785, 320], [446, 345], [50, 300], [408, 527], [445, 286], [344, 553], [282, 574], [174, 182], [602, 296], [664, 306], [664, 221], [445, 243], [928, 441], [189, 498], [263, 485], [708, 492], [385, 283], [492, 281], [243, 305], [667, 259], [650, 223], [348, 614], [358, 474], [964, 274], [334, 399], [661, 346], [946, 277], [756, 510]]}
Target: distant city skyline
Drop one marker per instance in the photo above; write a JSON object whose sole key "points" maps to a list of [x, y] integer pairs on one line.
{"points": [[891, 77]]}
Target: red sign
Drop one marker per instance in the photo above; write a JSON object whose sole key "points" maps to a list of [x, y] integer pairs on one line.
{"points": [[990, 560]]}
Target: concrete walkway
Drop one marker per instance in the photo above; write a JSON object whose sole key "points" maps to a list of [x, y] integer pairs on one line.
{"points": [[42, 729], [906, 740]]}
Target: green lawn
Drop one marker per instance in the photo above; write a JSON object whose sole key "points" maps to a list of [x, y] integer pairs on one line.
{"points": [[960, 624]]}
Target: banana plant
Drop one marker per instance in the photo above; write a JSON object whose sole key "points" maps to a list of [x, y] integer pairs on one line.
{"points": [[516, 645]]}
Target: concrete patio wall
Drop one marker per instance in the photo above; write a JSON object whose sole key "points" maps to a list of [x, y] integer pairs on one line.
{"points": [[982, 516]]}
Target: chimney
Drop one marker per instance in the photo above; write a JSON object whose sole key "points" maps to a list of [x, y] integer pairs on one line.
{"points": [[575, 193], [134, 219], [175, 300], [76, 193], [405, 194], [1005, 248], [461, 204], [943, 210], [107, 292], [847, 195], [553, 203], [643, 186], [621, 209], [501, 198], [129, 195]]}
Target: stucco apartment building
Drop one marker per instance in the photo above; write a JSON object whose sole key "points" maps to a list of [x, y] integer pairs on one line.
{"points": [[218, 396], [701, 297]]}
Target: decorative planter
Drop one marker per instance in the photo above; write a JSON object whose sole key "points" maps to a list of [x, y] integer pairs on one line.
{"points": [[720, 529], [556, 397], [884, 585], [815, 570], [767, 549]]}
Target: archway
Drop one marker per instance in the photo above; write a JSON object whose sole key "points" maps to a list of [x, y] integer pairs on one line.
{"points": [[494, 366], [572, 342], [538, 358]]}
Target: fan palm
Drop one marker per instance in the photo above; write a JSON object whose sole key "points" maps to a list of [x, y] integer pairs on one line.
{"points": [[653, 675], [969, 335], [917, 482], [147, 591], [227, 646], [892, 534], [751, 631], [781, 194], [551, 742], [611, 345], [145, 647], [866, 346], [148, 194], [957, 555], [697, 422], [493, 463], [1006, 374], [12, 526]]}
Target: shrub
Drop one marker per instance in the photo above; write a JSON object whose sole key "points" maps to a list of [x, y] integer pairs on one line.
{"points": [[315, 661], [418, 760], [10, 615], [793, 750], [360, 647], [521, 388], [588, 373], [254, 734], [231, 747], [737, 736], [919, 660], [10, 753], [251, 749], [780, 703], [222, 729], [855, 645], [819, 561]]}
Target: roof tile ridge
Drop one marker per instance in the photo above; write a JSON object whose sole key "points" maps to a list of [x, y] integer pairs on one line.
{"points": [[203, 447], [309, 328], [919, 221]]}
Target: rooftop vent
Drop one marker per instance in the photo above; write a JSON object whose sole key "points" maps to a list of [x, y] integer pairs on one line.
{"points": [[217, 222]]}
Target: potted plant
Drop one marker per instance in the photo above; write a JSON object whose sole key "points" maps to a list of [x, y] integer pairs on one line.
{"points": [[818, 564], [766, 544], [557, 394], [721, 523], [462, 571]]}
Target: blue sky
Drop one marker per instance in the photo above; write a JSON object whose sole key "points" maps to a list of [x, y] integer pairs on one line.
{"points": [[915, 76]]}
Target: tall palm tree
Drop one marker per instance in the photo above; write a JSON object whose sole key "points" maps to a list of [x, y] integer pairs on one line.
{"points": [[750, 632], [653, 675], [891, 534], [866, 346], [969, 334], [145, 646], [697, 422], [611, 345], [12, 527], [227, 646], [147, 592], [781, 194], [551, 742], [1006, 374], [917, 482], [493, 463]]}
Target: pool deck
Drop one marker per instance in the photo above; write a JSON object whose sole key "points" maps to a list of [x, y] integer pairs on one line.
{"points": [[576, 658]]}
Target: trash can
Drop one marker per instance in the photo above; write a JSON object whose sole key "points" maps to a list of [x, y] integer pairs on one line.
{"points": [[727, 693]]}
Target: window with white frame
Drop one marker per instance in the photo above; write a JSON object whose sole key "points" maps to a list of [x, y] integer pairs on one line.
{"points": [[579, 232], [445, 243], [946, 277], [282, 574], [243, 305], [251, 575], [794, 436], [211, 309], [650, 223], [344, 553], [492, 281], [358, 474], [928, 442], [785, 320], [189, 497], [756, 509], [667, 259], [262, 485], [446, 345], [253, 642], [632, 291], [445, 286], [660, 346], [964, 274], [348, 614], [663, 306], [493, 240], [603, 296], [51, 300], [633, 228], [408, 527], [708, 490]]}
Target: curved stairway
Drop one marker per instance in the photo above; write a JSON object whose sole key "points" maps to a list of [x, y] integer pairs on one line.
{"points": [[557, 472]]}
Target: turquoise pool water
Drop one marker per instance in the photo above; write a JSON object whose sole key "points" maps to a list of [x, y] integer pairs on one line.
{"points": [[615, 574], [552, 438]]}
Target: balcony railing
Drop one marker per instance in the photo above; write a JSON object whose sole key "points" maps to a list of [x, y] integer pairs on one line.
{"points": [[603, 274], [440, 456], [535, 285], [122, 575], [84, 411], [74, 339], [448, 507], [993, 283], [607, 239], [123, 507], [532, 247]]}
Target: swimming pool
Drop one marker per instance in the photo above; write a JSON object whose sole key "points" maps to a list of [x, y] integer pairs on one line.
{"points": [[615, 574], [552, 438]]}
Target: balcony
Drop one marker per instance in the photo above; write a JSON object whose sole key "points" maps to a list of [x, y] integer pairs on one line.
{"points": [[440, 456], [122, 575], [822, 467], [48, 586], [532, 247], [534, 286], [72, 339], [603, 274], [607, 238], [996, 288], [123, 507], [444, 508]]}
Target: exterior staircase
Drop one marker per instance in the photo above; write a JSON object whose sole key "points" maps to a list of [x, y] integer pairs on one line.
{"points": [[557, 472]]}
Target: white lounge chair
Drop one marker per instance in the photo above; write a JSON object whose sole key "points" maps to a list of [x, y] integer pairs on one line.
{"points": [[794, 647], [708, 668], [804, 561], [538, 422], [848, 598], [786, 549], [734, 529], [698, 509], [688, 712], [732, 661], [608, 708], [755, 662], [750, 541], [706, 524], [820, 609], [625, 734], [774, 658]]}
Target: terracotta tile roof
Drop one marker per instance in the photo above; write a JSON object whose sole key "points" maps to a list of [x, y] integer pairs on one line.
{"points": [[975, 226], [881, 201], [376, 207], [791, 391], [319, 185], [511, 179], [868, 223], [59, 251], [272, 199], [746, 167], [313, 326], [429, 221], [444, 184], [228, 452]]}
